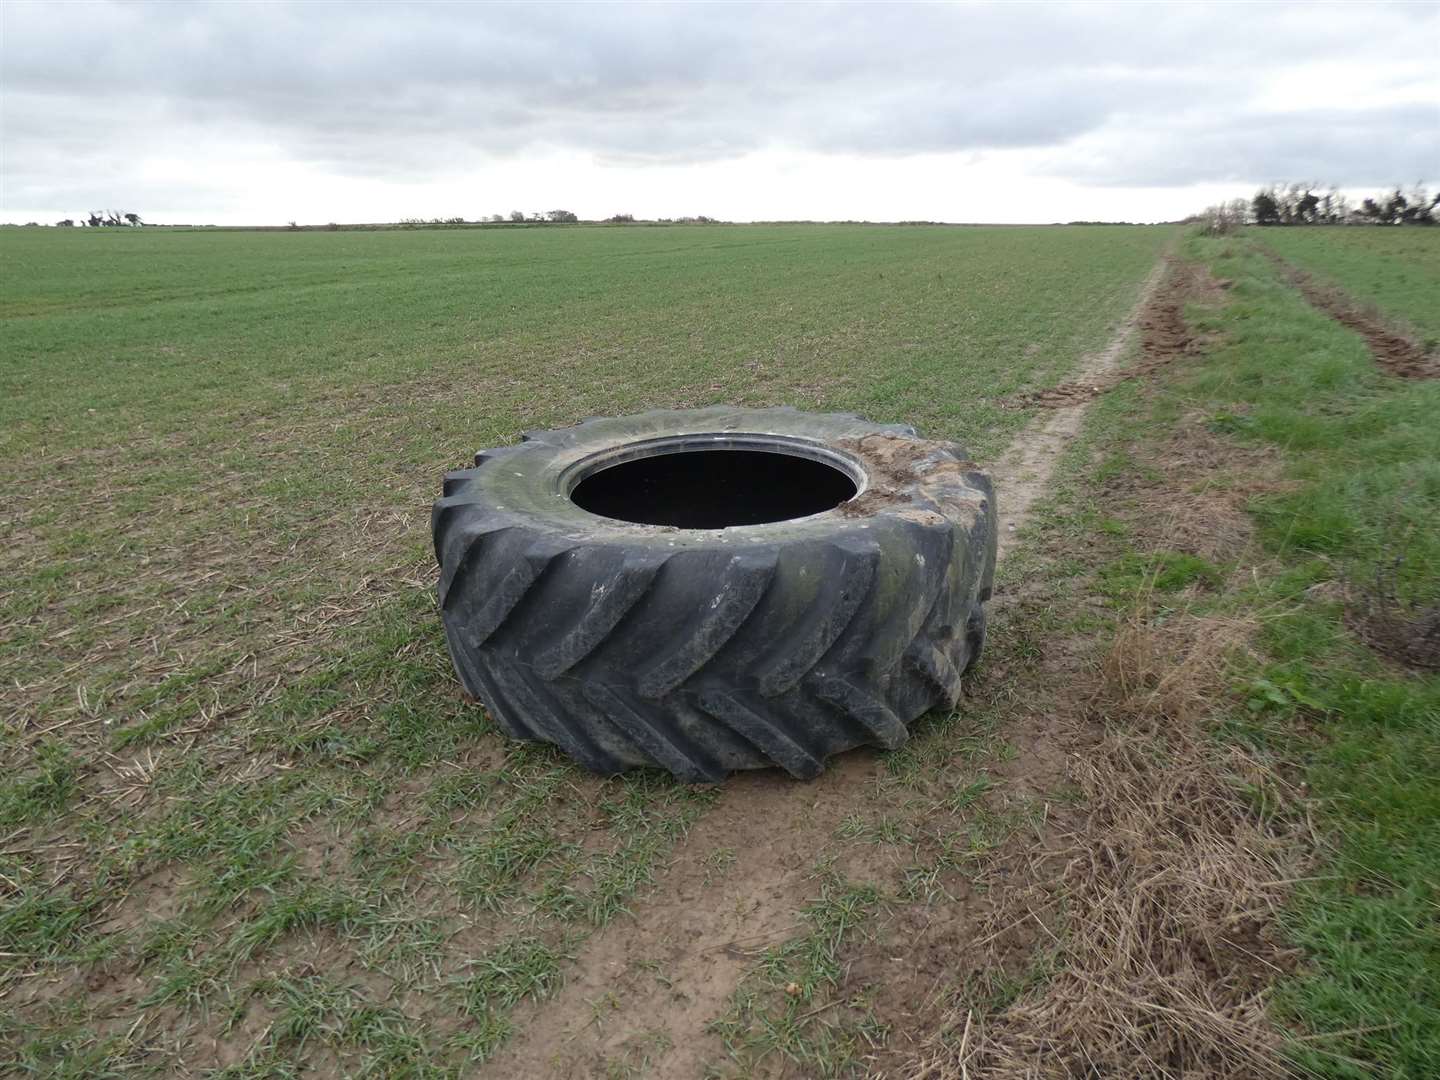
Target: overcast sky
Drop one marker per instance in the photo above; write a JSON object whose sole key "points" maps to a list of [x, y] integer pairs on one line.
{"points": [[236, 113]]}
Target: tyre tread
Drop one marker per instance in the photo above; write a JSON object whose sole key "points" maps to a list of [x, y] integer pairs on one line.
{"points": [[730, 689]]}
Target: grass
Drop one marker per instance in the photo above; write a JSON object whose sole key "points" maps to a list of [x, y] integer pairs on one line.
{"points": [[314, 1013], [269, 323], [522, 967], [235, 750], [244, 802], [1364, 452], [42, 791], [275, 409], [1227, 515]]}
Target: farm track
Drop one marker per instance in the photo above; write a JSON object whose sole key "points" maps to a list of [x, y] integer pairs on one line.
{"points": [[712, 931], [1022, 473], [699, 935]]}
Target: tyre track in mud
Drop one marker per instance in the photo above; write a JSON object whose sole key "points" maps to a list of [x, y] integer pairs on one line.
{"points": [[1395, 351], [651, 983]]}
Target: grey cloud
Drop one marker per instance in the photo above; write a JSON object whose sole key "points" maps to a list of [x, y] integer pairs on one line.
{"points": [[1345, 147], [1158, 92]]}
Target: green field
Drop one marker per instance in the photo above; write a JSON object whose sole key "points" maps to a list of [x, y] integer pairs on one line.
{"points": [[251, 422], [153, 330], [249, 827], [227, 690]]}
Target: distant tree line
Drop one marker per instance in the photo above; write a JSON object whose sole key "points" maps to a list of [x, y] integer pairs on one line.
{"points": [[553, 217], [563, 217], [1309, 204], [1298, 204], [101, 218], [110, 218]]}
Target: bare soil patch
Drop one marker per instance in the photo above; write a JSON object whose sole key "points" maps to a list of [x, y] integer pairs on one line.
{"points": [[898, 464], [733, 890], [1402, 631]]}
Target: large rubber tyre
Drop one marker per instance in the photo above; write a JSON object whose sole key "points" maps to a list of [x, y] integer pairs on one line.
{"points": [[704, 651]]}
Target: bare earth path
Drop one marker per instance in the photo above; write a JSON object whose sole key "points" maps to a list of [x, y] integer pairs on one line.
{"points": [[1022, 473], [672, 968], [647, 986]]}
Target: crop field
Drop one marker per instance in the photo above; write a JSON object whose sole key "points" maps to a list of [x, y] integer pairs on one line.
{"points": [[249, 825]]}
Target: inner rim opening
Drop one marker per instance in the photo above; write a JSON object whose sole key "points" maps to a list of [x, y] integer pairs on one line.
{"points": [[713, 488]]}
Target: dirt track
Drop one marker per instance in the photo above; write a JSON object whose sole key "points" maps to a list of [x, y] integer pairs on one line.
{"points": [[1023, 472], [665, 974]]}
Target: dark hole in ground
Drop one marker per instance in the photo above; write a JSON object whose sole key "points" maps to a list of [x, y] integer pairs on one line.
{"points": [[713, 489]]}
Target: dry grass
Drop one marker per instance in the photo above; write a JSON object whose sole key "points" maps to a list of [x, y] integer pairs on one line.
{"points": [[1169, 897], [1160, 678]]}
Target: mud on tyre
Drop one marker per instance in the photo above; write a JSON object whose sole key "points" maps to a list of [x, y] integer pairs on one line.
{"points": [[718, 589]]}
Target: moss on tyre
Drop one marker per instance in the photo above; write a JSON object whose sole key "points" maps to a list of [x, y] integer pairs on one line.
{"points": [[711, 590]]}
